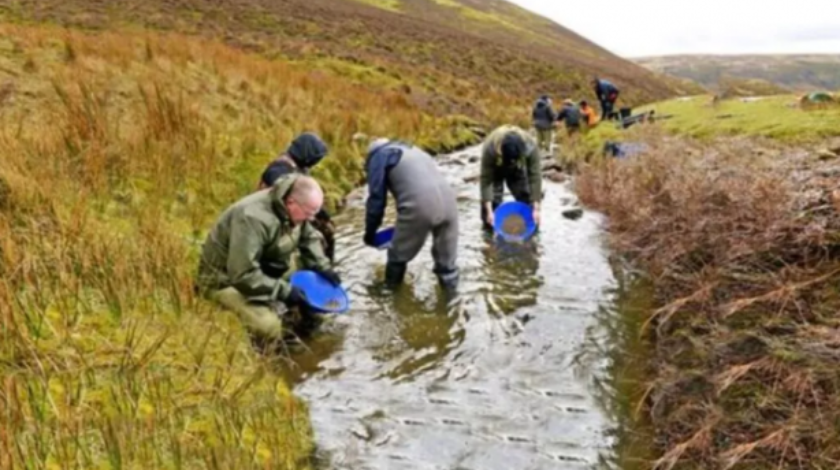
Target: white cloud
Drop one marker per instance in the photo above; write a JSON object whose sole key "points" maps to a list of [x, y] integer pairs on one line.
{"points": [[655, 27]]}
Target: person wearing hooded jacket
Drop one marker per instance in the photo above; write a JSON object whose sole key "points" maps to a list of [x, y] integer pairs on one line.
{"points": [[426, 204], [305, 151], [607, 94], [510, 156], [543, 116], [246, 259], [571, 116]]}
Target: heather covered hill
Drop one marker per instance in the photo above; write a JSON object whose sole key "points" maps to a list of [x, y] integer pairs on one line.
{"points": [[446, 54]]}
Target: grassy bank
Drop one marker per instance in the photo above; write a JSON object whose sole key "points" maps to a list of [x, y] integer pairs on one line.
{"points": [[119, 151], [775, 117], [738, 237]]}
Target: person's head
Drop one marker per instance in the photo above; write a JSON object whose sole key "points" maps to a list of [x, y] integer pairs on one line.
{"points": [[307, 150], [568, 102], [304, 200], [545, 98], [513, 147], [584, 104]]}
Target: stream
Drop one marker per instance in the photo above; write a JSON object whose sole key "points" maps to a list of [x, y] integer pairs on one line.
{"points": [[520, 372]]}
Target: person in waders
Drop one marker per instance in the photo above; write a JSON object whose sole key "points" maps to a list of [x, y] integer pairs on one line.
{"points": [[426, 204], [302, 155], [543, 116], [246, 260], [509, 156]]}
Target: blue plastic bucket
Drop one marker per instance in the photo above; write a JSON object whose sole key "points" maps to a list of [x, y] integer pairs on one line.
{"points": [[383, 238], [514, 208], [320, 292]]}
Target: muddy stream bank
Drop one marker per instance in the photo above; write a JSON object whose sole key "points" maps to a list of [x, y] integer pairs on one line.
{"points": [[530, 368]]}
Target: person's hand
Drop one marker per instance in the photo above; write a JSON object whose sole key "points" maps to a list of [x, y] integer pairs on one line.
{"points": [[370, 238], [330, 275], [537, 215], [296, 298]]}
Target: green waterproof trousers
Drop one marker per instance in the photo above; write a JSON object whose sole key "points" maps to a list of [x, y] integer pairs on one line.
{"points": [[260, 319]]}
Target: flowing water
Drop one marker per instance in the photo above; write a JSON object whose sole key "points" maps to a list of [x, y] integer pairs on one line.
{"points": [[518, 373]]}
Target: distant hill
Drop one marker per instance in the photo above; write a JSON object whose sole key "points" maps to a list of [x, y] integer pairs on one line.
{"points": [[446, 54], [795, 72]]}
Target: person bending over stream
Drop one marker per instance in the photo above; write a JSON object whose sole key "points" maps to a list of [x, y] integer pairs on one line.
{"points": [[510, 156], [425, 204], [302, 155]]}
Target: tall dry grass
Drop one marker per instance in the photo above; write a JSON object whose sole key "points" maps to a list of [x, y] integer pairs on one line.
{"points": [[119, 151], [740, 241]]}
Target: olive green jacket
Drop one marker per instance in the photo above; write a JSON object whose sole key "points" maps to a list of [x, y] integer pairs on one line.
{"points": [[491, 162], [252, 244]]}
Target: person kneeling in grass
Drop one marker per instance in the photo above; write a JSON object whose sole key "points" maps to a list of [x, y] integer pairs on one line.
{"points": [[246, 260]]}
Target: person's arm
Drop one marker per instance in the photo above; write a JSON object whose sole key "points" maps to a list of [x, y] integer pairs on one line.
{"points": [[312, 254], [378, 167], [248, 237], [535, 177], [487, 177]]}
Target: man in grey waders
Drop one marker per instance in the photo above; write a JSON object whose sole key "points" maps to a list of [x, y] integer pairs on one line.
{"points": [[425, 204]]}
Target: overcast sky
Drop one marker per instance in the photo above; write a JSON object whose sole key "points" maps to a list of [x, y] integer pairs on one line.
{"points": [[656, 27]]}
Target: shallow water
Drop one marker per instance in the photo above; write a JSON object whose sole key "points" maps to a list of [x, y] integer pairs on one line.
{"points": [[525, 370]]}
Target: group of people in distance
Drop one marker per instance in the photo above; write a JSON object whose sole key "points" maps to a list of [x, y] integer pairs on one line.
{"points": [[573, 115]]}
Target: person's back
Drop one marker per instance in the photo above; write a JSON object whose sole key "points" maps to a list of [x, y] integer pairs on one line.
{"points": [[605, 88], [417, 183], [570, 114], [213, 274], [543, 114], [426, 203]]}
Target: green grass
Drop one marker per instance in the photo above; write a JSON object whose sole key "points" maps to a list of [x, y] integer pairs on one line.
{"points": [[777, 117], [390, 5]]}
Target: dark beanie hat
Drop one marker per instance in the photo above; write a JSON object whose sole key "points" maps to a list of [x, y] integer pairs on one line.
{"points": [[513, 147], [307, 150]]}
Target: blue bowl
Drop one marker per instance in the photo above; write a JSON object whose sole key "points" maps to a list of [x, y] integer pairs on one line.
{"points": [[383, 238], [320, 292], [514, 208]]}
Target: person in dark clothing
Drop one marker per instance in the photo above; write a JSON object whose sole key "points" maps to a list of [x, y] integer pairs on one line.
{"points": [[607, 94], [571, 115], [306, 151], [426, 204], [509, 156], [543, 116]]}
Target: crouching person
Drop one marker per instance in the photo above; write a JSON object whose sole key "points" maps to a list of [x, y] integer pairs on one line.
{"points": [[246, 259]]}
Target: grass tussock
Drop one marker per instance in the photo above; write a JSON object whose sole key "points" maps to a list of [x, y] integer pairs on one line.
{"points": [[117, 157], [740, 241]]}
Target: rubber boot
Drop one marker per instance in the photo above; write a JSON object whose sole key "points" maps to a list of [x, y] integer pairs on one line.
{"points": [[395, 274], [448, 280]]}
